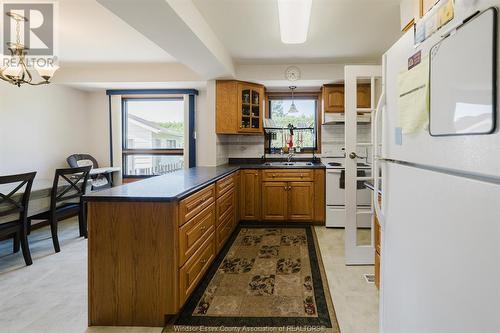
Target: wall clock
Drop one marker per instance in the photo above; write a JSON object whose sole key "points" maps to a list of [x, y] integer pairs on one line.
{"points": [[292, 73]]}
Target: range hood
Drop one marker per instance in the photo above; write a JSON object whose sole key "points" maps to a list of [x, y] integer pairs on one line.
{"points": [[339, 118]]}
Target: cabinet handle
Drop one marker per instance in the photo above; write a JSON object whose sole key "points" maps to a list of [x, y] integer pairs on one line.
{"points": [[286, 189], [274, 175], [289, 188], [203, 261], [301, 176], [203, 228]]}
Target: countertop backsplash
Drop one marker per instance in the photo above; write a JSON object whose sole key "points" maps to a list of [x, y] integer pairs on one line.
{"points": [[252, 146]]}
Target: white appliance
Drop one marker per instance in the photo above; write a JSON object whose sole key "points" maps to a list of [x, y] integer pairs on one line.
{"points": [[335, 194], [440, 215]]}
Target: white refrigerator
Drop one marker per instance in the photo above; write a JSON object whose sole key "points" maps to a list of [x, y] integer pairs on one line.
{"points": [[440, 215]]}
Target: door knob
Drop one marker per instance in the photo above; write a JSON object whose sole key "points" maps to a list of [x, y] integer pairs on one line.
{"points": [[353, 155]]}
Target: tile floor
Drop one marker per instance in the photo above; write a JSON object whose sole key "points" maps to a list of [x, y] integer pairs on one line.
{"points": [[50, 295]]}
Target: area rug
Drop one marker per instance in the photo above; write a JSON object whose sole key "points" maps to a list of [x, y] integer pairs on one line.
{"points": [[267, 278]]}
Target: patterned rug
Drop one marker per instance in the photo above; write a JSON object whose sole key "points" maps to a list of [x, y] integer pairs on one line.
{"points": [[269, 278]]}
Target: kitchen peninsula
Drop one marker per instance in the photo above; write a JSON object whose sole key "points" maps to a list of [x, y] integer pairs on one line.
{"points": [[150, 242]]}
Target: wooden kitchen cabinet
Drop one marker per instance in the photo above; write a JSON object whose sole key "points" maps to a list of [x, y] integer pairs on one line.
{"points": [[250, 195], [289, 195], [333, 97], [363, 96], [300, 201], [239, 107], [287, 201], [274, 200]]}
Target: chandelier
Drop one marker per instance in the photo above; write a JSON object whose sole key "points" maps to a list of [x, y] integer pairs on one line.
{"points": [[16, 70]]}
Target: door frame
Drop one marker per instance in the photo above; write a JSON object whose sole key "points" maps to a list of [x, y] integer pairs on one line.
{"points": [[356, 254]]}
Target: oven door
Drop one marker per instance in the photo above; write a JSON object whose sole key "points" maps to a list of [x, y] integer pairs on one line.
{"points": [[335, 196]]}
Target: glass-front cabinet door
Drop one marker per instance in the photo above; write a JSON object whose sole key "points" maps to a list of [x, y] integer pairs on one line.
{"points": [[250, 108]]}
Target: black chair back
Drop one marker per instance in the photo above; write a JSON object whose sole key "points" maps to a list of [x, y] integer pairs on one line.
{"points": [[11, 201], [69, 184], [73, 160]]}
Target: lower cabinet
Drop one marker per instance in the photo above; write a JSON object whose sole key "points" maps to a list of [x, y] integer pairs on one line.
{"points": [[250, 197], [192, 271], [288, 201], [300, 201], [274, 200]]}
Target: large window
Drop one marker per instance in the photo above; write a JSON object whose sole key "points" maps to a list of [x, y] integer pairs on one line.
{"points": [[153, 136], [306, 117]]}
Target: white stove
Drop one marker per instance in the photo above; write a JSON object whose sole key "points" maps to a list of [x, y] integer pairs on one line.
{"points": [[335, 193]]}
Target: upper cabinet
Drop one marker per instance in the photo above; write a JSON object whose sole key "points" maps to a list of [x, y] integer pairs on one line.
{"points": [[333, 97], [239, 107], [363, 96]]}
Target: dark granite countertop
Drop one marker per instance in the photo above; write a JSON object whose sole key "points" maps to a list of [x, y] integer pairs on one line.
{"points": [[177, 185], [170, 187], [258, 163], [263, 166]]}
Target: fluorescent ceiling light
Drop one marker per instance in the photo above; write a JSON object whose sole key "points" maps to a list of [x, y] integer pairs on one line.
{"points": [[294, 18]]}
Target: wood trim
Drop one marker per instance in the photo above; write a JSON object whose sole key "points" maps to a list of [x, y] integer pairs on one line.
{"points": [[178, 152], [299, 95], [408, 26], [319, 196]]}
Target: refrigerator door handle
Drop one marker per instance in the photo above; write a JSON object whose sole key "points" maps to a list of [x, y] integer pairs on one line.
{"points": [[376, 159]]}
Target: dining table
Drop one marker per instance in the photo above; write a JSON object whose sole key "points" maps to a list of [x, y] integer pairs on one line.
{"points": [[42, 188]]}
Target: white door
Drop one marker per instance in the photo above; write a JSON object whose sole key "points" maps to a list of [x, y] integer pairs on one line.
{"points": [[363, 86]]}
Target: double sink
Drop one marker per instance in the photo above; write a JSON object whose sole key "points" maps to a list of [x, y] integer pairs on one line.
{"points": [[299, 164]]}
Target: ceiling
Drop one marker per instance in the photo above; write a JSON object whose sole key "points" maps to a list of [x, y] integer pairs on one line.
{"points": [[340, 30], [89, 33]]}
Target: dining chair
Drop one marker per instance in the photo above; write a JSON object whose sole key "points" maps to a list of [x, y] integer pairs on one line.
{"points": [[98, 181], [66, 201], [14, 200]]}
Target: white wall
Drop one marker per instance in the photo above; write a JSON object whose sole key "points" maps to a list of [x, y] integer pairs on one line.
{"points": [[97, 118], [209, 149], [41, 126]]}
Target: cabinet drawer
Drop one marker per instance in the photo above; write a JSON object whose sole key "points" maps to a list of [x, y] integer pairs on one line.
{"points": [[192, 272], [224, 205], [224, 185], [195, 203], [224, 230], [288, 175], [194, 232]]}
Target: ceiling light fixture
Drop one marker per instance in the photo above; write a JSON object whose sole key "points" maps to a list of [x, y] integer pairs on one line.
{"points": [[16, 70], [293, 108], [294, 16]]}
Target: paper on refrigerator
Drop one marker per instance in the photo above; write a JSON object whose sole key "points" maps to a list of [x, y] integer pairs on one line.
{"points": [[413, 101]]}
